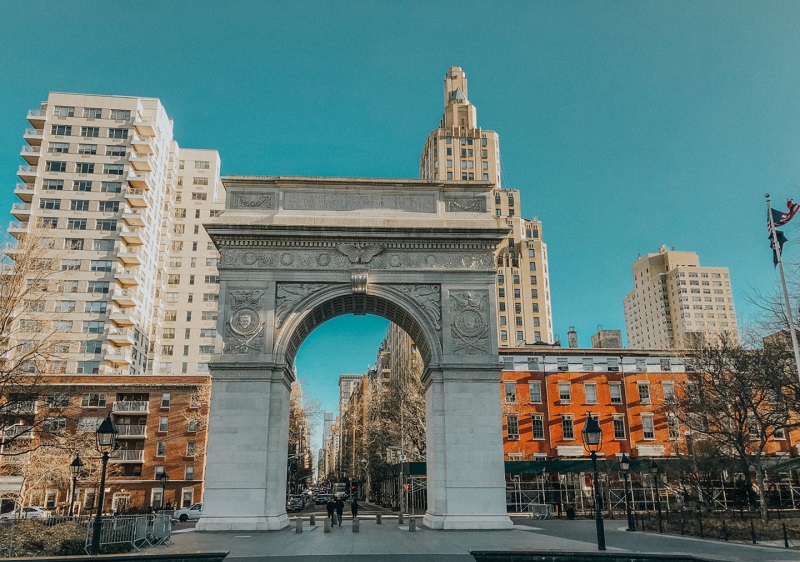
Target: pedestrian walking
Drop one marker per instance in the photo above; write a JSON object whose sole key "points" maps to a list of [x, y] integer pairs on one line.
{"points": [[331, 507], [354, 508], [339, 510]]}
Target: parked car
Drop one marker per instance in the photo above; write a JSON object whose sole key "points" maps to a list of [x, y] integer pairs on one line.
{"points": [[35, 512], [322, 499], [187, 513], [294, 504]]}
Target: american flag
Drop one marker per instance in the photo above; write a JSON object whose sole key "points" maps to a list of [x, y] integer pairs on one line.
{"points": [[779, 218]]}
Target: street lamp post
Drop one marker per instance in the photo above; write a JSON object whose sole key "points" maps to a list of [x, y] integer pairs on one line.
{"points": [[365, 479], [163, 478], [106, 444], [656, 473], [625, 469], [592, 441], [75, 469]]}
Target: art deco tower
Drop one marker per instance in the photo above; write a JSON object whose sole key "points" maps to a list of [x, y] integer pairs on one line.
{"points": [[460, 150]]}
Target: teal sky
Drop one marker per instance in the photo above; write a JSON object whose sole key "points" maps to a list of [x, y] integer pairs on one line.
{"points": [[625, 125]]}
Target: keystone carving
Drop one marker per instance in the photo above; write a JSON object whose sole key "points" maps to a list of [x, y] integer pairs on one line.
{"points": [[358, 253], [244, 325], [470, 328]]}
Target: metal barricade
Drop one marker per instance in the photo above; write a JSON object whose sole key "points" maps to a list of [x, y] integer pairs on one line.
{"points": [[162, 530], [540, 511], [130, 529]]}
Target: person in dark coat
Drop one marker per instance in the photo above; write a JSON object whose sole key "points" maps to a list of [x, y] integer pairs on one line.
{"points": [[331, 507], [339, 510], [354, 508]]}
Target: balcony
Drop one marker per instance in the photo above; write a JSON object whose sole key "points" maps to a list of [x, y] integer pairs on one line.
{"points": [[18, 432], [37, 117], [142, 146], [23, 458], [120, 338], [21, 211], [118, 357], [30, 154], [129, 257], [136, 197], [139, 179], [24, 192], [17, 229], [128, 456], [132, 235], [133, 218], [144, 126], [27, 173], [140, 162], [124, 298], [126, 277], [132, 431], [33, 137], [131, 407], [120, 318]]}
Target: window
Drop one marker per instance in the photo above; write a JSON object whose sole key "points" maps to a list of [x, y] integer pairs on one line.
{"points": [[58, 147], [120, 114], [53, 185], [648, 428], [641, 366], [87, 148], [209, 315], [588, 364], [84, 167], [108, 207], [190, 448], [163, 423], [535, 388], [79, 205], [615, 390], [118, 133], [669, 390], [591, 392], [165, 399], [98, 287], [537, 426], [103, 245], [512, 423], [50, 204], [567, 427], [90, 131], [168, 333], [619, 427], [92, 112], [187, 494], [199, 196], [161, 449], [644, 391], [93, 326], [93, 347], [193, 425], [62, 325], [212, 279], [115, 150], [82, 185], [65, 306], [210, 297], [173, 279], [106, 224], [93, 400], [208, 333], [64, 111], [115, 169], [207, 350], [170, 315], [562, 363], [61, 130], [112, 187], [167, 350], [100, 265], [674, 427], [665, 364], [510, 391], [564, 392], [70, 265]]}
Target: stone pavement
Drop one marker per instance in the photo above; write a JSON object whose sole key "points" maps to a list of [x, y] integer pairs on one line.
{"points": [[391, 542]]}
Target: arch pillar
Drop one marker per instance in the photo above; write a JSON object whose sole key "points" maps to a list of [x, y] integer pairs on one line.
{"points": [[247, 448]]}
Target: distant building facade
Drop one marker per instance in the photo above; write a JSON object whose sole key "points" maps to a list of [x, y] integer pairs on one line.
{"points": [[676, 303]]}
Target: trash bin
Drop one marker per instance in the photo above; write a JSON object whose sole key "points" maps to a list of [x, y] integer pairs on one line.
{"points": [[570, 512]]}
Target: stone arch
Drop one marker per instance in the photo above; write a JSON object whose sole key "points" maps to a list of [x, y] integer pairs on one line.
{"points": [[387, 301], [295, 252]]}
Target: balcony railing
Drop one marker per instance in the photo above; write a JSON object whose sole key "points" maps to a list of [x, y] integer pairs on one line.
{"points": [[132, 430], [37, 113], [129, 455], [18, 432], [130, 407], [24, 458]]}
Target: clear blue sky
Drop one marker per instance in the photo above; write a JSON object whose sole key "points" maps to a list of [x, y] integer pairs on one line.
{"points": [[626, 125]]}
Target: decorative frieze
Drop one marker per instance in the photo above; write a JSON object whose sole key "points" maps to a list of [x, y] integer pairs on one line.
{"points": [[464, 204], [288, 295], [244, 200], [327, 201], [429, 299]]}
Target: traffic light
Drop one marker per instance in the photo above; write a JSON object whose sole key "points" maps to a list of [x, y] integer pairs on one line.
{"points": [[405, 487]]}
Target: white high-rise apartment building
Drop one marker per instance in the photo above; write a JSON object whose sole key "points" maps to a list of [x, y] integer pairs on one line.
{"points": [[460, 150], [123, 205], [676, 303]]}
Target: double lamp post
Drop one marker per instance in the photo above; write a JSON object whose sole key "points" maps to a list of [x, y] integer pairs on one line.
{"points": [[106, 443]]}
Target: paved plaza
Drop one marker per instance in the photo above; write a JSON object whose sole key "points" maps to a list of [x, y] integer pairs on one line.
{"points": [[391, 542]]}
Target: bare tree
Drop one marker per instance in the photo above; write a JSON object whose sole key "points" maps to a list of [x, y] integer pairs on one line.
{"points": [[741, 400]]}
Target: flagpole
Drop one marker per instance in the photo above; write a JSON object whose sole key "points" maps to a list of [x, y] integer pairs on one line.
{"points": [[788, 303]]}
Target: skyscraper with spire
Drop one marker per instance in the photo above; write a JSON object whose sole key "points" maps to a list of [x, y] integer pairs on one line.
{"points": [[460, 150]]}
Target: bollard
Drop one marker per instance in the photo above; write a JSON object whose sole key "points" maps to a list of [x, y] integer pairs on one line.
{"points": [[785, 537], [327, 525], [752, 531], [700, 521], [683, 531], [724, 531], [313, 520], [355, 525], [378, 518], [412, 525], [298, 525], [400, 520]]}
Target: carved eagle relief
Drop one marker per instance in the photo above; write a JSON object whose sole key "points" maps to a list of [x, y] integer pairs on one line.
{"points": [[359, 254]]}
